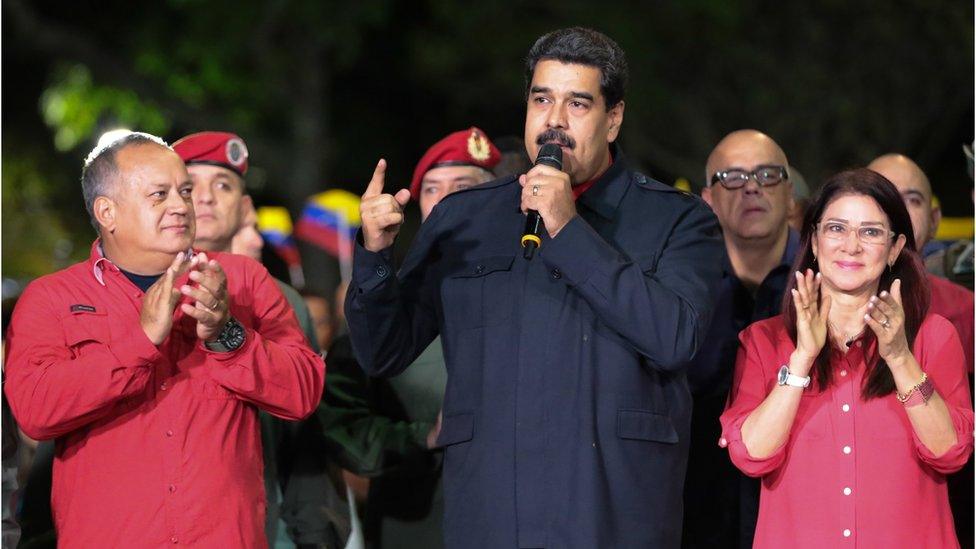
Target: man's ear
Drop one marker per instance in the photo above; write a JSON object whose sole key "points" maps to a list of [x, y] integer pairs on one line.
{"points": [[616, 117], [106, 212], [936, 219], [246, 204], [706, 194]]}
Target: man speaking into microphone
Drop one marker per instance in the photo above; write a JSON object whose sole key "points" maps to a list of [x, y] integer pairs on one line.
{"points": [[566, 413]]}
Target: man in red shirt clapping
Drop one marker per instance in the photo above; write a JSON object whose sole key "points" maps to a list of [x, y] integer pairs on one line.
{"points": [[147, 364]]}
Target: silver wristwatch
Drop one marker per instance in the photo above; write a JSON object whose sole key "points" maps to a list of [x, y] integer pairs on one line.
{"points": [[786, 378]]}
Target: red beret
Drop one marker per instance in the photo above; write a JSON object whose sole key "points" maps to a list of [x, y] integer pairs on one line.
{"points": [[469, 147], [218, 148]]}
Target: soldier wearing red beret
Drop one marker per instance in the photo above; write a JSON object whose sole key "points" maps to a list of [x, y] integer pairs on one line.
{"points": [[384, 429], [461, 160], [216, 162]]}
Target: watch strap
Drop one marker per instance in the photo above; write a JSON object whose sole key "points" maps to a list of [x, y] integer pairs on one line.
{"points": [[793, 380]]}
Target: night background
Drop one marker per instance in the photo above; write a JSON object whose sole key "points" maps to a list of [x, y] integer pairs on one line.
{"points": [[320, 90]]}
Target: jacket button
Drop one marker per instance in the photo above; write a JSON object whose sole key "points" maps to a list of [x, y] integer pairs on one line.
{"points": [[479, 269], [381, 271], [556, 275]]}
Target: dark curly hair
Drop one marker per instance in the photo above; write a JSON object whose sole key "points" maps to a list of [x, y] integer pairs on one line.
{"points": [[583, 46]]}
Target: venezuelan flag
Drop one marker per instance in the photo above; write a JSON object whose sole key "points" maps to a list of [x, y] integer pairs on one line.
{"points": [[330, 220], [274, 224]]}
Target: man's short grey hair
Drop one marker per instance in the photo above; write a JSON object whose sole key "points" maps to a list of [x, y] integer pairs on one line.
{"points": [[100, 169]]}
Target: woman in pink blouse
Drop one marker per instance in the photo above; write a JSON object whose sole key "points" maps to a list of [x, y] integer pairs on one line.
{"points": [[853, 404]]}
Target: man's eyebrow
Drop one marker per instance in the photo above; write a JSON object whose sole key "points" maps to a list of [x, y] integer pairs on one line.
{"points": [[539, 89], [913, 192], [581, 95]]}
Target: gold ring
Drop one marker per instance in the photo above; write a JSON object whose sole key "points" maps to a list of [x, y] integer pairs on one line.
{"points": [[886, 324], [535, 190]]}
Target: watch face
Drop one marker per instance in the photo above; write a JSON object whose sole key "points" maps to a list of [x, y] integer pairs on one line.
{"points": [[232, 335], [783, 373]]}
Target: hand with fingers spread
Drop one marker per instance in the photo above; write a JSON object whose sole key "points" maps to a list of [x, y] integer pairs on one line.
{"points": [[210, 306], [811, 319], [381, 213], [549, 192], [159, 302], [886, 317]]}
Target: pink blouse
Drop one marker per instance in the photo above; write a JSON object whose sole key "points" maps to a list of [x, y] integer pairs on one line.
{"points": [[852, 473]]}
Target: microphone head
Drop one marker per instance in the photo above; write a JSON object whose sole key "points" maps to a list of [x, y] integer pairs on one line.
{"points": [[550, 154]]}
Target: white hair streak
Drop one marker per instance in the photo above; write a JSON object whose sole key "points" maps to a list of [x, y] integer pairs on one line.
{"points": [[108, 139]]}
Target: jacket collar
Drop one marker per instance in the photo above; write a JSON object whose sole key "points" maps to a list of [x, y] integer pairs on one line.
{"points": [[605, 195]]}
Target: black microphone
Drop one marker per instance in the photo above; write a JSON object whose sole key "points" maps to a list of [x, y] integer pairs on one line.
{"points": [[549, 155]]}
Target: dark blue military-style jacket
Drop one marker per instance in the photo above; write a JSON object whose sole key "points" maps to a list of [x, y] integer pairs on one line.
{"points": [[567, 408]]}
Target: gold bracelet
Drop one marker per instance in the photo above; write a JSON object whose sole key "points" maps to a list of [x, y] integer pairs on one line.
{"points": [[904, 398]]}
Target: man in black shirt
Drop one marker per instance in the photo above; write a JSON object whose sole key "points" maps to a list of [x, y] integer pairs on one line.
{"points": [[748, 188]]}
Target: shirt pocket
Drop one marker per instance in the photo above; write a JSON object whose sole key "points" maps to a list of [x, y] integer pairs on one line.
{"points": [[645, 425], [85, 330], [478, 293], [813, 416]]}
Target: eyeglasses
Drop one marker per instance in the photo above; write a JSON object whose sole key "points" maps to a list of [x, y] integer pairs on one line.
{"points": [[871, 234], [765, 176]]}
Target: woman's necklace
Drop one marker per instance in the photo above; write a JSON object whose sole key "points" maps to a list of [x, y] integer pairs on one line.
{"points": [[848, 338]]}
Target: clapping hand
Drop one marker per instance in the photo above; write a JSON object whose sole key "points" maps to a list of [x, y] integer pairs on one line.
{"points": [[210, 304], [886, 317], [159, 302], [811, 318]]}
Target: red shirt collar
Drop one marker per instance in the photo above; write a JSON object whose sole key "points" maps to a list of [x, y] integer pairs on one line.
{"points": [[100, 262], [578, 190]]}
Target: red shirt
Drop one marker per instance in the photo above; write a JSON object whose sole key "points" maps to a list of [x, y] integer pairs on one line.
{"points": [[852, 473], [154, 446], [955, 303]]}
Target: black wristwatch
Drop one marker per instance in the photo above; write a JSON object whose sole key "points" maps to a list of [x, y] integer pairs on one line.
{"points": [[231, 338]]}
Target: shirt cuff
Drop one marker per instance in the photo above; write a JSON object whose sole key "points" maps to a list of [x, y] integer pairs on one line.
{"points": [[958, 454], [371, 269], [751, 466], [225, 356]]}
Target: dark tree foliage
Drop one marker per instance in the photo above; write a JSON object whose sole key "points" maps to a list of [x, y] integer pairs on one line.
{"points": [[320, 90]]}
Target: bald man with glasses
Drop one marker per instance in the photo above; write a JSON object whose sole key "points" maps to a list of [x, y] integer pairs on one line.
{"points": [[748, 188]]}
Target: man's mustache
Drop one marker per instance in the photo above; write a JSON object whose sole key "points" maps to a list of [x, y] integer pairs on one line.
{"points": [[556, 136]]}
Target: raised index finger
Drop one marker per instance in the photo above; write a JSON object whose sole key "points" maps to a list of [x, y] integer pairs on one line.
{"points": [[375, 187]]}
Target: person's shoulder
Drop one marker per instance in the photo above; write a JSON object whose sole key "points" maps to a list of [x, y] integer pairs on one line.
{"points": [[668, 196], [478, 193], [54, 289], [237, 262], [772, 329], [70, 276], [649, 184], [946, 286], [242, 272], [461, 206], [934, 326]]}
